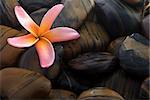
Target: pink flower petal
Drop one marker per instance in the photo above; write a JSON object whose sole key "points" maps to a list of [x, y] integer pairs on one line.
{"points": [[22, 41], [49, 18], [46, 52], [26, 21], [61, 34]]}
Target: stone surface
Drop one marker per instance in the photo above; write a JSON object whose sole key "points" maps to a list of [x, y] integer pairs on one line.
{"points": [[100, 93], [134, 55], [115, 45], [145, 89], [92, 38], [9, 55], [38, 15], [7, 14], [60, 94], [21, 84], [145, 26], [67, 81], [33, 5], [30, 61], [74, 13], [137, 4], [94, 63], [125, 20]]}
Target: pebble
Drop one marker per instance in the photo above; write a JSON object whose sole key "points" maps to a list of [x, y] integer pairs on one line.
{"points": [[100, 93], [22, 84], [134, 55], [9, 55]]}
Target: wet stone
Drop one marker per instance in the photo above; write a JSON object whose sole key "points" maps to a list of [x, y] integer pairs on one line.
{"points": [[94, 63], [33, 5], [134, 55], [115, 45], [22, 84], [74, 13], [38, 15], [7, 14], [60, 94], [92, 38], [125, 19], [145, 89], [30, 61], [67, 81], [100, 93], [9, 55], [145, 26]]}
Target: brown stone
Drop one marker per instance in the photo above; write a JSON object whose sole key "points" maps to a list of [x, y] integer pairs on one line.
{"points": [[60, 94], [100, 93], [145, 89], [74, 13], [115, 45], [9, 55], [94, 63], [30, 61], [7, 13], [134, 55], [21, 84], [145, 26], [92, 38]]}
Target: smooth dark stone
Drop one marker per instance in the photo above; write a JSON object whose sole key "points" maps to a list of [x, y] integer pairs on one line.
{"points": [[92, 38], [137, 4], [30, 61], [117, 17], [134, 55], [38, 15], [74, 13], [21, 84], [9, 55], [145, 89], [67, 81], [60, 94], [33, 5], [94, 63], [123, 83], [100, 93], [145, 26], [7, 14], [115, 45]]}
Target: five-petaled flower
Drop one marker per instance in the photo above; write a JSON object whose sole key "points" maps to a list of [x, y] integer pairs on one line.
{"points": [[42, 36]]}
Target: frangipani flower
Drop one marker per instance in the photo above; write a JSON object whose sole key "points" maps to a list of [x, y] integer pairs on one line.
{"points": [[42, 36]]}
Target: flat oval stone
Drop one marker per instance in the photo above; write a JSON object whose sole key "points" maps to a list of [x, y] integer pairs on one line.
{"points": [[100, 93], [92, 38], [145, 89], [134, 55], [115, 45], [94, 63], [73, 13], [33, 5], [145, 26], [9, 55], [125, 19], [22, 84], [30, 61], [7, 14], [60, 94]]}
